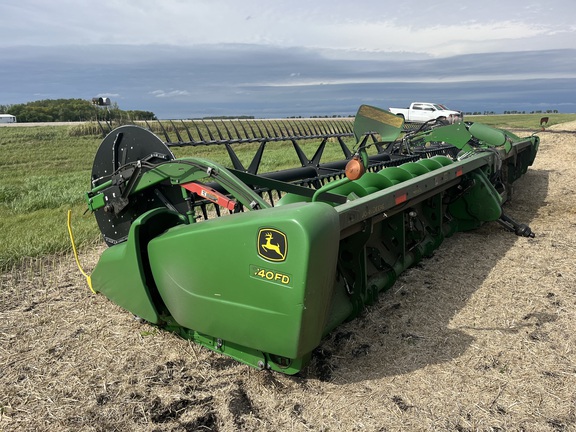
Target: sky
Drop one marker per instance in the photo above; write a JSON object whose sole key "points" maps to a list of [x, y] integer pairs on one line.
{"points": [[198, 58]]}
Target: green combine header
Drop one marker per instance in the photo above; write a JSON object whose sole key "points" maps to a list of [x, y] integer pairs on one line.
{"points": [[260, 267]]}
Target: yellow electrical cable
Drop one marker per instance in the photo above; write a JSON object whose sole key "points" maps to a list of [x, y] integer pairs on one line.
{"points": [[87, 276]]}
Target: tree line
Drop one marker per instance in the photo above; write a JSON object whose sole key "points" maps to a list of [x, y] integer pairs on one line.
{"points": [[67, 110]]}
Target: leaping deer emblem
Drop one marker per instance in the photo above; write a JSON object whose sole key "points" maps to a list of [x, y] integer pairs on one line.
{"points": [[269, 246]]}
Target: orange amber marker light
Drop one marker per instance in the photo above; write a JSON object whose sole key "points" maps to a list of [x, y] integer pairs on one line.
{"points": [[354, 168]]}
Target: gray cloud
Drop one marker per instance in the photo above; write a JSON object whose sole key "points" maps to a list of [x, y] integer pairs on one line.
{"points": [[441, 28], [241, 79]]}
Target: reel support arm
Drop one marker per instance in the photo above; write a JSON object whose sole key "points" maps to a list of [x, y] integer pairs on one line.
{"points": [[131, 180]]}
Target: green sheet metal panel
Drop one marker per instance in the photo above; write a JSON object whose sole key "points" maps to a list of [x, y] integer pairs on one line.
{"points": [[122, 272], [260, 279]]}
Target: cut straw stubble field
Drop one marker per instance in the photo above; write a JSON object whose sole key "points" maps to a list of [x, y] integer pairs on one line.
{"points": [[478, 337]]}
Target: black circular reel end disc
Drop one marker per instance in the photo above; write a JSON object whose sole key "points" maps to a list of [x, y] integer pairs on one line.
{"points": [[123, 146]]}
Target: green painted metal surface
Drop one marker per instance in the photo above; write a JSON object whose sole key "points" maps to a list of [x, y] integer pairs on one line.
{"points": [[264, 285], [122, 273], [269, 273]]}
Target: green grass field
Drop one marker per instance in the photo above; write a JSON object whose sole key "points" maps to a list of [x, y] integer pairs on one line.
{"points": [[45, 170], [520, 121], [43, 173]]}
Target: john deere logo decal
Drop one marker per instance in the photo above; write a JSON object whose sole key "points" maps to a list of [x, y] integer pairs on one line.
{"points": [[272, 244]]}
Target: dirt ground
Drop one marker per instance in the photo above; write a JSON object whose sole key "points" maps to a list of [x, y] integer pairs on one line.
{"points": [[478, 338]]}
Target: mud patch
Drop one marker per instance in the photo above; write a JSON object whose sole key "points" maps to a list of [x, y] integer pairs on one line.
{"points": [[207, 422], [160, 413], [240, 405], [320, 366], [401, 403], [223, 362]]}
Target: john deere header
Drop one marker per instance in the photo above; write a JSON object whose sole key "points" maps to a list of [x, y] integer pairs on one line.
{"points": [[260, 267]]}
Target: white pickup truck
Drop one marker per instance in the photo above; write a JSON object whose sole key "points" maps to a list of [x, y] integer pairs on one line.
{"points": [[420, 112]]}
